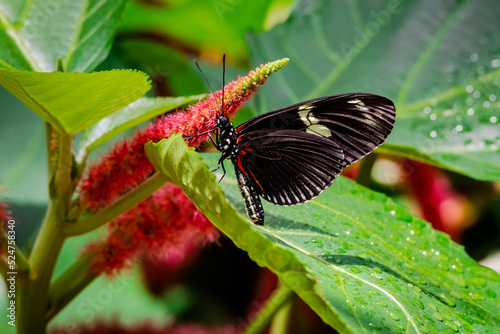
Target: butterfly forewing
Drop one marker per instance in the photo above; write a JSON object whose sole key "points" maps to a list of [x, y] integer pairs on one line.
{"points": [[356, 122], [288, 167]]}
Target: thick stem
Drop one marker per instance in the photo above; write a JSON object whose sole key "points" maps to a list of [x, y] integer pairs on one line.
{"points": [[280, 297], [34, 292], [120, 206]]}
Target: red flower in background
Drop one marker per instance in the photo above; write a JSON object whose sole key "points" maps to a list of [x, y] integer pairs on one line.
{"points": [[166, 224]]}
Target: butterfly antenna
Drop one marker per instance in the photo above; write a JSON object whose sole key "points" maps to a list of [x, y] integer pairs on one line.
{"points": [[209, 87], [223, 80]]}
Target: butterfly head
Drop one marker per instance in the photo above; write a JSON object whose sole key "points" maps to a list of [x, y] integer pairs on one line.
{"points": [[222, 122]]}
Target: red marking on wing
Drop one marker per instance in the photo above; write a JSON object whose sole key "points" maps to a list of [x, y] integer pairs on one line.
{"points": [[246, 172]]}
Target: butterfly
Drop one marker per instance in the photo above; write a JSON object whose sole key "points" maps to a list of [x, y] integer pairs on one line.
{"points": [[291, 155]]}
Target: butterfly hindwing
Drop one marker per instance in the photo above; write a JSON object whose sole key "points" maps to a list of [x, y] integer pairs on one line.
{"points": [[356, 122], [288, 167]]}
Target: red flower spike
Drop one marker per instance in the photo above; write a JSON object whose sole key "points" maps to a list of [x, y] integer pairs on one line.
{"points": [[165, 225], [126, 165]]}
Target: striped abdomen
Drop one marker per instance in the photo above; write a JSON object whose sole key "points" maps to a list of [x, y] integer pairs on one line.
{"points": [[252, 200]]}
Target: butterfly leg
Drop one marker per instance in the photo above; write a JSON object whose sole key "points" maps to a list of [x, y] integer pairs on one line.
{"points": [[213, 142], [219, 165]]}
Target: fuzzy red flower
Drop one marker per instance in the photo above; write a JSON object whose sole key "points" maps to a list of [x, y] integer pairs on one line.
{"points": [[126, 165], [167, 224]]}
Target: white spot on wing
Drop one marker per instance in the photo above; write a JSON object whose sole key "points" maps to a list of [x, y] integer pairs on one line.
{"points": [[360, 104], [319, 129], [306, 107]]}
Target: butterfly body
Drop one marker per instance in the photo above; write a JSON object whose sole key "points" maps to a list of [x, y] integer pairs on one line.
{"points": [[290, 155]]}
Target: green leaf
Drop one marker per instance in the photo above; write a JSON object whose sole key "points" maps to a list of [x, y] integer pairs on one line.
{"points": [[74, 101], [34, 34], [443, 73], [362, 262], [135, 113], [217, 26]]}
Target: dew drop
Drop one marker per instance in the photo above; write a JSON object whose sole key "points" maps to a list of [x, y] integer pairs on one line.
{"points": [[442, 240], [476, 94], [421, 281], [495, 63], [470, 112], [394, 316], [459, 128], [469, 89], [452, 326], [474, 57], [447, 300], [486, 104], [493, 97], [476, 295], [433, 134], [419, 304], [355, 270], [433, 117], [340, 251], [470, 102], [493, 119], [490, 293], [360, 300], [427, 110]]}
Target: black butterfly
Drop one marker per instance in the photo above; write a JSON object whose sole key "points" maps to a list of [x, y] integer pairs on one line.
{"points": [[290, 155]]}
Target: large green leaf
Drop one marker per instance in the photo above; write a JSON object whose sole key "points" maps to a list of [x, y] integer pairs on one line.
{"points": [[135, 113], [74, 101], [362, 262], [217, 26], [34, 34], [441, 69]]}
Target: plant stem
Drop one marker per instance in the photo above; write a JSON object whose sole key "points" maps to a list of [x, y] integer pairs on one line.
{"points": [[280, 297], [280, 320], [34, 291], [69, 284], [365, 170], [120, 206]]}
